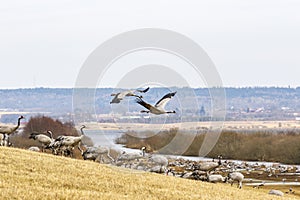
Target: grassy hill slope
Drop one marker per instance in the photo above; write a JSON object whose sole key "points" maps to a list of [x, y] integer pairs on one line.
{"points": [[31, 175]]}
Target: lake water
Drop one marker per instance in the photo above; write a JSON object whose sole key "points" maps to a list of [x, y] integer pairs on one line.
{"points": [[103, 138], [106, 139]]}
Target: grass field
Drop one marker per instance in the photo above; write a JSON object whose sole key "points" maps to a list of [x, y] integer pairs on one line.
{"points": [[32, 175]]}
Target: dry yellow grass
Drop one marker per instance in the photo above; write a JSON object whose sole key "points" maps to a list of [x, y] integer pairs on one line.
{"points": [[31, 175]]}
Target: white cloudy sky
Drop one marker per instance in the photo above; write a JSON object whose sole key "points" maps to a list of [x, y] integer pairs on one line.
{"points": [[251, 42]]}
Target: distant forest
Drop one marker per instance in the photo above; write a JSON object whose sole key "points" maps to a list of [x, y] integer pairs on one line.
{"points": [[259, 103]]}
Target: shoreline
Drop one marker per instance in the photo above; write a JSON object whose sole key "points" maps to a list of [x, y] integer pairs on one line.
{"points": [[215, 125]]}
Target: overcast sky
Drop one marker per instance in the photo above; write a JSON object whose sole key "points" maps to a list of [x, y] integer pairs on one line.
{"points": [[251, 42]]}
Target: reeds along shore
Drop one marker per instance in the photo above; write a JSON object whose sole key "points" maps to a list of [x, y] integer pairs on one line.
{"points": [[275, 146]]}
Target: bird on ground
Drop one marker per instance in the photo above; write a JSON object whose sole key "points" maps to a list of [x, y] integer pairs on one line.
{"points": [[66, 143], [5, 131], [209, 165], [121, 95], [97, 153], [161, 162], [132, 155], [236, 176], [44, 140], [159, 107], [10, 129]]}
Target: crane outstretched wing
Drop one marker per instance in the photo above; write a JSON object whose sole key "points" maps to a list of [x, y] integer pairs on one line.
{"points": [[143, 91], [116, 99], [143, 103], [164, 100]]}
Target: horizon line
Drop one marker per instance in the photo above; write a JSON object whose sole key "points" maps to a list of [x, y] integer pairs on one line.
{"points": [[236, 87]]}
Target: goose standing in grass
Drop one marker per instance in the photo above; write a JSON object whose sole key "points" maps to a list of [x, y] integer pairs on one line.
{"points": [[5, 131], [121, 95], [159, 107]]}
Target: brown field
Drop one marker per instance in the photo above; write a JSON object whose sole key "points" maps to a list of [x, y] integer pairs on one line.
{"points": [[32, 175]]}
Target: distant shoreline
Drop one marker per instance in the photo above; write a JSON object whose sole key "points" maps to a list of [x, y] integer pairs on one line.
{"points": [[227, 125]]}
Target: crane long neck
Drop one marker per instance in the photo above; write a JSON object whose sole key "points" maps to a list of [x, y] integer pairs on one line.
{"points": [[51, 135], [16, 127], [81, 130], [19, 122]]}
